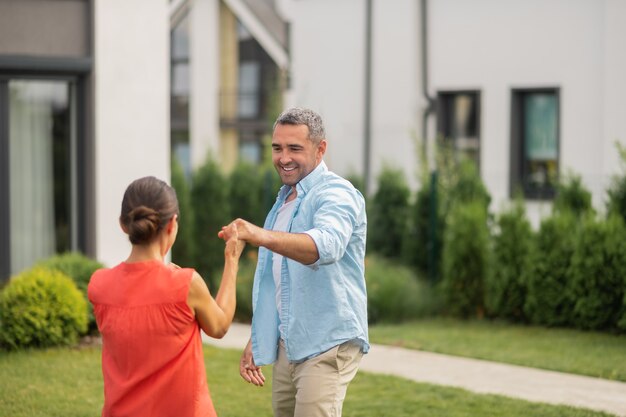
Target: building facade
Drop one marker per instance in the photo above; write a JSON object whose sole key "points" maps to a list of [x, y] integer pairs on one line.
{"points": [[83, 112]]}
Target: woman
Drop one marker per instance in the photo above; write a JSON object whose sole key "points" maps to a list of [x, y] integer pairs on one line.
{"points": [[150, 313]]}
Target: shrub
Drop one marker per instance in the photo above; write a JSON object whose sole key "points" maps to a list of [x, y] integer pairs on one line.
{"points": [[505, 291], [41, 308], [209, 197], [571, 195], [245, 279], [387, 214], [598, 269], [394, 293], [548, 299], [466, 186], [79, 268], [246, 193], [465, 260], [183, 251], [424, 233], [616, 203]]}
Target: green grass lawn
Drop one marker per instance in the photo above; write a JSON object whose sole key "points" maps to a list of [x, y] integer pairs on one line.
{"points": [[587, 353], [67, 382]]}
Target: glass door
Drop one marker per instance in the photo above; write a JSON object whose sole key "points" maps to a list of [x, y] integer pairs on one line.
{"points": [[41, 169]]}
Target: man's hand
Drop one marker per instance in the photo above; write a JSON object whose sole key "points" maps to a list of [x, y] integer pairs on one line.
{"points": [[234, 243], [248, 370], [247, 231]]}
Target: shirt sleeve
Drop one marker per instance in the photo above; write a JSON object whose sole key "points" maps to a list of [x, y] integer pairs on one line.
{"points": [[339, 210]]}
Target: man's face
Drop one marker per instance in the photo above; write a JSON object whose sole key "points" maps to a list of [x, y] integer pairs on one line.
{"points": [[293, 154]]}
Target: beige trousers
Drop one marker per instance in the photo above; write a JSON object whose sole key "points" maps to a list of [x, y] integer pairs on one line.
{"points": [[316, 387]]}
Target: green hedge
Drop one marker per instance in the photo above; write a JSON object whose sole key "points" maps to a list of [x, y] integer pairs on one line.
{"points": [[184, 251], [505, 290], [245, 279], [598, 270], [465, 260], [548, 298], [387, 214], [395, 293], [209, 198], [41, 308]]}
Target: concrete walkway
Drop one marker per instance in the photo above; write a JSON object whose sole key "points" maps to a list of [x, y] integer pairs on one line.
{"points": [[478, 376]]}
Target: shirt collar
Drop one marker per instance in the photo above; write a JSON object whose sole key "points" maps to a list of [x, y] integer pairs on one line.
{"points": [[313, 178]]}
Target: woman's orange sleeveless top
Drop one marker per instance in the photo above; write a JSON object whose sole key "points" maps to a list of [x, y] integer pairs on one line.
{"points": [[152, 360]]}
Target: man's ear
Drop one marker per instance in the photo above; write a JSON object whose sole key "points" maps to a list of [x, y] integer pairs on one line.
{"points": [[321, 148]]}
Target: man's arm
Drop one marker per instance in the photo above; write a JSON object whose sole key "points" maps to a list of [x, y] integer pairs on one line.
{"points": [[297, 246]]}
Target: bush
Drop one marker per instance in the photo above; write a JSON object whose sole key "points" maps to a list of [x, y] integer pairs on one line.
{"points": [[183, 251], [245, 280], [598, 269], [616, 193], [246, 193], [41, 308], [505, 290], [209, 197], [424, 233], [548, 298], [387, 214], [79, 268], [465, 260], [571, 195], [394, 293]]}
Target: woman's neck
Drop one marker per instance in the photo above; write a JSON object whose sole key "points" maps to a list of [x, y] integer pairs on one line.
{"points": [[142, 253]]}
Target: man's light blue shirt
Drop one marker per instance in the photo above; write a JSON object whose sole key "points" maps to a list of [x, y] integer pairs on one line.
{"points": [[323, 304]]}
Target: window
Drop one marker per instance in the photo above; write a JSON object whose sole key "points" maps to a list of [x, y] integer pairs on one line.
{"points": [[535, 142], [458, 122], [47, 194], [249, 89], [250, 146], [39, 152]]}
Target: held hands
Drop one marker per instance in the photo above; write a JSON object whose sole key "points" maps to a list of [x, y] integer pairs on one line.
{"points": [[234, 245], [248, 232], [248, 370]]}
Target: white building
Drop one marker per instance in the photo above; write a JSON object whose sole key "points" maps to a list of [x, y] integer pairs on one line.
{"points": [[84, 110], [557, 66], [529, 88]]}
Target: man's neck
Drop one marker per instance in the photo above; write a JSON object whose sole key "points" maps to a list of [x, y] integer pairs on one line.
{"points": [[292, 195]]}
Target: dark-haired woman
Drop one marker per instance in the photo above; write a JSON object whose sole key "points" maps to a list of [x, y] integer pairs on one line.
{"points": [[150, 313]]}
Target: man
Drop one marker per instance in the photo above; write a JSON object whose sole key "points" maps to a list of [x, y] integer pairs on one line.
{"points": [[309, 297]]}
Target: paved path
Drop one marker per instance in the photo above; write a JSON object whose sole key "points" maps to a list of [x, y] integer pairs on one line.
{"points": [[478, 376]]}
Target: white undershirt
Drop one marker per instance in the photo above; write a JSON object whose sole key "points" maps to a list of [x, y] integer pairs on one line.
{"points": [[280, 225]]}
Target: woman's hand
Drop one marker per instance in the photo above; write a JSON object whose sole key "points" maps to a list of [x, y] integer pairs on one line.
{"points": [[234, 245]]}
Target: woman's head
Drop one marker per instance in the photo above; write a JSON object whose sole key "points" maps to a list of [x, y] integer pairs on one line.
{"points": [[147, 207]]}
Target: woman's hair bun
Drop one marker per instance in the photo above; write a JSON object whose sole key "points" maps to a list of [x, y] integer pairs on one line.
{"points": [[147, 207], [143, 224]]}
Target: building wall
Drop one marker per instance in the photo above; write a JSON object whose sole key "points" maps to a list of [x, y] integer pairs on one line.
{"points": [[204, 74], [131, 96], [614, 86], [229, 79], [327, 74], [573, 45]]}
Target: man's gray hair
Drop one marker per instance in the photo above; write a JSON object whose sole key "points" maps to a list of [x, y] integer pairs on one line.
{"points": [[301, 116]]}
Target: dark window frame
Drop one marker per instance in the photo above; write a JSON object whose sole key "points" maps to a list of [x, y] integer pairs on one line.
{"points": [[444, 115], [517, 157], [76, 71]]}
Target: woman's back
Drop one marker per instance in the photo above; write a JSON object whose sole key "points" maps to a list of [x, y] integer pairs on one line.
{"points": [[152, 357]]}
